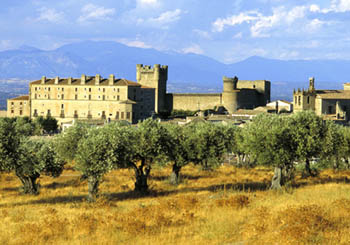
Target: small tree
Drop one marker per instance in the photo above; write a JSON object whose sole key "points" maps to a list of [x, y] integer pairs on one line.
{"points": [[48, 124], [309, 132], [93, 158], [206, 144], [269, 139], [179, 150], [151, 141], [36, 157], [67, 142]]}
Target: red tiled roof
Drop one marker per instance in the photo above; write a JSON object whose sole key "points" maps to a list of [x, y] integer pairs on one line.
{"points": [[22, 97]]}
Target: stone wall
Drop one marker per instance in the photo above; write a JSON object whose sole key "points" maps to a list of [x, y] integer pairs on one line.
{"points": [[194, 102]]}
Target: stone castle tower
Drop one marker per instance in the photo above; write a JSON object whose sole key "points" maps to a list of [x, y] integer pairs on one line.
{"points": [[230, 94], [154, 77]]}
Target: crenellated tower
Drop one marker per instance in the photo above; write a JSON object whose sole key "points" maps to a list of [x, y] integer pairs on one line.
{"points": [[154, 77]]}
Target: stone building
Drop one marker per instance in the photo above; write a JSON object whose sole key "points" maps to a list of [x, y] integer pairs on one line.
{"points": [[94, 97], [332, 104]]}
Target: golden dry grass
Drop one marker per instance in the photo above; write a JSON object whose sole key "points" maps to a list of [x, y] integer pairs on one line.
{"points": [[225, 206]]}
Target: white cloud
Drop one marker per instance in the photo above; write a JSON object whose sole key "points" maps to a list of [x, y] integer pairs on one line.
{"points": [[147, 3], [167, 17], [202, 34], [194, 49], [93, 12], [134, 43], [337, 6], [50, 15], [315, 25], [315, 8], [261, 25], [220, 23]]}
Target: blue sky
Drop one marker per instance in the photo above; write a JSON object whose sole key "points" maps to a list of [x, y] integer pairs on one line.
{"points": [[227, 30]]}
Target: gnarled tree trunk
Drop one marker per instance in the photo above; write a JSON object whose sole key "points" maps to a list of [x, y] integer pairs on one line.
{"points": [[93, 183], [175, 174], [277, 179], [141, 175], [29, 183]]}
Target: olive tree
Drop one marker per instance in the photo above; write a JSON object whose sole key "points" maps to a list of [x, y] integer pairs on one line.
{"points": [[207, 144], [36, 157], [269, 139], [151, 142], [179, 151], [67, 142], [102, 150], [309, 132]]}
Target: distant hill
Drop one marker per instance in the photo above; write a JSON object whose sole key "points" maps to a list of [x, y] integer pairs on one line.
{"points": [[187, 72]]}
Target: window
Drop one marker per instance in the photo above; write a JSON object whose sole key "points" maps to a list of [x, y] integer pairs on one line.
{"points": [[76, 96], [118, 97], [45, 88], [62, 106], [48, 96], [36, 89], [103, 97], [308, 99], [89, 96], [118, 90], [12, 111], [104, 90], [62, 89], [253, 86], [89, 89], [49, 88], [75, 114], [20, 112], [128, 115], [12, 103], [299, 100], [35, 113], [117, 115], [62, 96], [103, 115], [122, 115], [76, 89], [49, 112]]}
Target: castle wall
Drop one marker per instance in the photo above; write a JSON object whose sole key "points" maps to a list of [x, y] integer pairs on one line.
{"points": [[261, 86], [249, 99], [194, 102]]}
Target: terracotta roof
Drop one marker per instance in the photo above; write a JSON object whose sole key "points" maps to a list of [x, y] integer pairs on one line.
{"points": [[23, 97], [333, 94], [90, 81]]}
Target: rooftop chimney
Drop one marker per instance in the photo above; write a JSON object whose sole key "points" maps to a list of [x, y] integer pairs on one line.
{"points": [[57, 79], [83, 79], [43, 80], [111, 79], [69, 80], [97, 79]]}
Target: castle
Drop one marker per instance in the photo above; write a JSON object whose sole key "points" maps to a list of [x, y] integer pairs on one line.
{"points": [[94, 97], [331, 104]]}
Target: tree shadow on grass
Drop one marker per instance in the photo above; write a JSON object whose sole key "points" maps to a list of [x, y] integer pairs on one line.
{"points": [[50, 200], [69, 183], [182, 176]]}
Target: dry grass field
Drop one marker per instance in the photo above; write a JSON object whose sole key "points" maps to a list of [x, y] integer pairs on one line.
{"points": [[224, 206]]}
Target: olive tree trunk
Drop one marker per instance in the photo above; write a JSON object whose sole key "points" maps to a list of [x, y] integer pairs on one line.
{"points": [[29, 185], [175, 174], [141, 175], [93, 183], [277, 179]]}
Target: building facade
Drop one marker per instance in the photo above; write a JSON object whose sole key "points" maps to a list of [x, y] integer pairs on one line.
{"points": [[332, 104], [94, 97]]}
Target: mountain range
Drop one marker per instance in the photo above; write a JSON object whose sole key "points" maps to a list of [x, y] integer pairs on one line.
{"points": [[187, 72]]}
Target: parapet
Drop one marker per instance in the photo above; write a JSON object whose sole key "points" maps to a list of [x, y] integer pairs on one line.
{"points": [[148, 68], [230, 83]]}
